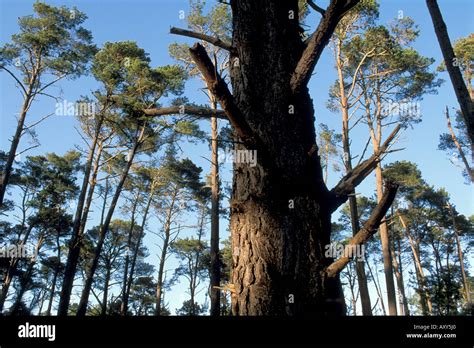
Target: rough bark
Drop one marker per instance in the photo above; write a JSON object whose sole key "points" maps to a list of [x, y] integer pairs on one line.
{"points": [[460, 89], [280, 208]]}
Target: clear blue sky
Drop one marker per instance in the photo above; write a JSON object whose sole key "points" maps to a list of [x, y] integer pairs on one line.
{"points": [[147, 22]]}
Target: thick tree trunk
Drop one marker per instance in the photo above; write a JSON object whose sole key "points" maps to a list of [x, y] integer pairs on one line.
{"points": [[462, 93], [80, 216], [278, 251], [81, 311], [215, 271]]}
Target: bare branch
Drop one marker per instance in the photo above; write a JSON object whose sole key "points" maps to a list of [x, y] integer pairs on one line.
{"points": [[198, 111], [319, 39], [212, 40], [458, 146], [221, 92], [38, 122], [369, 229], [16, 79], [316, 7], [349, 182]]}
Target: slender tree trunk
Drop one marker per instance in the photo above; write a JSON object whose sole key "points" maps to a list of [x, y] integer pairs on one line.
{"points": [[425, 301], [11, 271], [124, 306], [26, 279], [397, 267], [377, 287], [164, 252], [75, 243], [469, 170], [7, 170], [355, 224], [55, 275], [387, 257], [52, 290], [129, 245], [215, 271], [462, 93], [467, 294], [105, 296], [104, 228]]}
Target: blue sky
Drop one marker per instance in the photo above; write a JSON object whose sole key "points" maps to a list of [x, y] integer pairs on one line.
{"points": [[147, 22]]}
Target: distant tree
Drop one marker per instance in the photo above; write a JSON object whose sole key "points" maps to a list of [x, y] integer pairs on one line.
{"points": [[52, 45]]}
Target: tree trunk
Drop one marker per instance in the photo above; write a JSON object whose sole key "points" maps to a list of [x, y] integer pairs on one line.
{"points": [[51, 292], [75, 243], [56, 273], [7, 170], [26, 279], [375, 280], [397, 267], [278, 252], [387, 257], [215, 271], [164, 252], [467, 294], [124, 306], [105, 296], [129, 245], [425, 301], [104, 229], [11, 272], [355, 224], [462, 94]]}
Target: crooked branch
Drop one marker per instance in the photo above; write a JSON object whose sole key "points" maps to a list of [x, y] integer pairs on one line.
{"points": [[219, 89], [367, 231], [212, 40], [340, 193], [198, 111], [318, 41]]}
